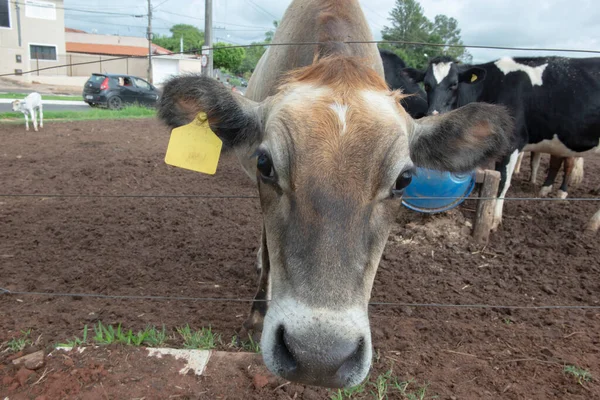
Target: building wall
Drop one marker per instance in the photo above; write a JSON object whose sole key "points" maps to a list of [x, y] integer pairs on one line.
{"points": [[93, 38], [42, 25]]}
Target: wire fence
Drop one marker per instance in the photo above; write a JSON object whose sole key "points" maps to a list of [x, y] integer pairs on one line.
{"points": [[218, 196], [249, 300], [397, 42], [6, 292]]}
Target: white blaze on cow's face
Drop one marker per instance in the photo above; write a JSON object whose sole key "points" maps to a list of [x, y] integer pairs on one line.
{"points": [[440, 71]]}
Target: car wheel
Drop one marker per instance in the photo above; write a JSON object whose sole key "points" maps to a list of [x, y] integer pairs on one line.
{"points": [[115, 103]]}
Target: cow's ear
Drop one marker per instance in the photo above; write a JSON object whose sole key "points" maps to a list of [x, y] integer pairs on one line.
{"points": [[472, 75], [414, 74], [462, 139], [231, 116]]}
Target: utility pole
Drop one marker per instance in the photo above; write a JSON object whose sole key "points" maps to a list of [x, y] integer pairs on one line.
{"points": [[149, 34], [208, 69]]}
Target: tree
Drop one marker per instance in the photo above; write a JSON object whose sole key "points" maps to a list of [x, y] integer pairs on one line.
{"points": [[269, 34], [409, 23], [447, 30], [255, 52], [230, 59], [193, 38]]}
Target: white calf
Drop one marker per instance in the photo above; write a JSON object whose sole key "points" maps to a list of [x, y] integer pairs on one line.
{"points": [[28, 106]]}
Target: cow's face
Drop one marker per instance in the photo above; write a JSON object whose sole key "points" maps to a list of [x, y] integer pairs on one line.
{"points": [[331, 152], [448, 85], [16, 105]]}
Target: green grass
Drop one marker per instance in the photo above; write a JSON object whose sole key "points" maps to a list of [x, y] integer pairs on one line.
{"points": [[20, 96], [383, 387], [91, 114], [580, 374], [204, 339], [109, 334], [18, 344], [76, 341], [246, 345]]}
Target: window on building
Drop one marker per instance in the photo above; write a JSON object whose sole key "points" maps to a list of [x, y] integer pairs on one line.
{"points": [[40, 9], [4, 13], [38, 52]]}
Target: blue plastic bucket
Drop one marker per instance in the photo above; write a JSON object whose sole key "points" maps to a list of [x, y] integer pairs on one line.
{"points": [[436, 191]]}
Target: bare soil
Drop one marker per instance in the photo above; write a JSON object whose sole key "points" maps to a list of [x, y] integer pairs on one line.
{"points": [[198, 247]]}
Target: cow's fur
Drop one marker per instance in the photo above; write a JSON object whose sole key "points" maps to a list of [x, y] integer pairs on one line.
{"points": [[330, 148], [393, 66]]}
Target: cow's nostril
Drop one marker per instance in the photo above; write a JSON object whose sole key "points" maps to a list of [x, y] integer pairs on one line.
{"points": [[352, 363], [287, 361]]}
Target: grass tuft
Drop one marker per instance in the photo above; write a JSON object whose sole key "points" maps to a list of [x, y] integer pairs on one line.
{"points": [[108, 334], [75, 342], [246, 345], [19, 343], [580, 374], [383, 387], [203, 339]]}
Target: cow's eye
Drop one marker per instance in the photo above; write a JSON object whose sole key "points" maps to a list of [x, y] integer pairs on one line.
{"points": [[265, 166], [427, 87], [401, 183], [454, 86]]}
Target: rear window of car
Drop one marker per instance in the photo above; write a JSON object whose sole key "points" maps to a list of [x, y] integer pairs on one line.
{"points": [[96, 78]]}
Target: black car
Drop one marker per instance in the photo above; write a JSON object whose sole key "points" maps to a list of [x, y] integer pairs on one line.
{"points": [[116, 90]]}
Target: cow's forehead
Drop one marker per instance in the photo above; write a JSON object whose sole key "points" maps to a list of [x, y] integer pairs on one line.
{"points": [[351, 135], [441, 70]]}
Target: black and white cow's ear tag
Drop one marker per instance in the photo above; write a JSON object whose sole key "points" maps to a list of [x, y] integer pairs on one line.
{"points": [[473, 78], [194, 146]]}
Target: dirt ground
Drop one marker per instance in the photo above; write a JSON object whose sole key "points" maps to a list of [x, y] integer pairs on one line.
{"points": [[207, 248]]}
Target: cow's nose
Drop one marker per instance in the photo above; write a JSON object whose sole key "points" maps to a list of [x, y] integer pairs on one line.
{"points": [[302, 360]]}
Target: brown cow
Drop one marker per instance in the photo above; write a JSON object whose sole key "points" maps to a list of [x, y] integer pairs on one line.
{"points": [[330, 149]]}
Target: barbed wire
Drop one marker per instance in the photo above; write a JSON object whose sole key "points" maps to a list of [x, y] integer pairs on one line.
{"points": [[4, 291], [218, 196], [403, 42]]}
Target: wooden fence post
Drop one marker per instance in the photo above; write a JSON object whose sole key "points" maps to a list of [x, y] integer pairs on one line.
{"points": [[485, 207]]}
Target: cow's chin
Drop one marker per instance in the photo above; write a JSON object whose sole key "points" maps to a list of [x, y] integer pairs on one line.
{"points": [[317, 346]]}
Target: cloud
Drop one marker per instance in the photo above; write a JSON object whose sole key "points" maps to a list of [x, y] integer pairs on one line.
{"points": [[512, 23]]}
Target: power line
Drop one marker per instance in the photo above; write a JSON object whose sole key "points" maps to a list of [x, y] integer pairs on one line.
{"points": [[217, 22], [81, 10], [156, 7], [317, 43], [249, 300], [259, 8]]}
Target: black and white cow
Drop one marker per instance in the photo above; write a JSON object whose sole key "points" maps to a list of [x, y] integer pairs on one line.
{"points": [[555, 103], [396, 78]]}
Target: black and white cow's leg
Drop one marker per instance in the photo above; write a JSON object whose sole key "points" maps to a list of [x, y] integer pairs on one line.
{"points": [[555, 164], [519, 161], [568, 167], [577, 174], [254, 322], [594, 223], [535, 166], [506, 167]]}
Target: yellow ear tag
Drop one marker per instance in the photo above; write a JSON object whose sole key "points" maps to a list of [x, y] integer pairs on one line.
{"points": [[195, 147], [473, 78]]}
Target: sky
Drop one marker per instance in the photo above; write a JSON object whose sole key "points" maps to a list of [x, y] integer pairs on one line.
{"points": [[572, 24]]}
